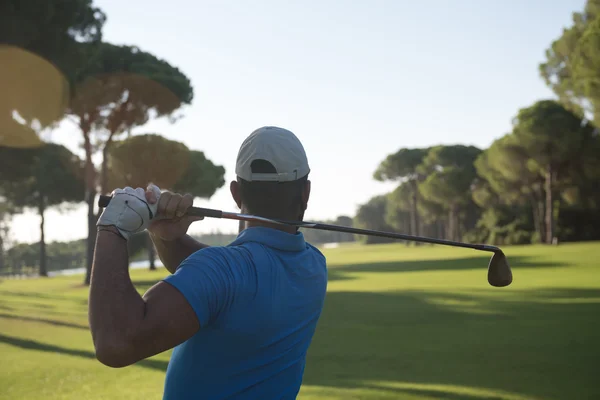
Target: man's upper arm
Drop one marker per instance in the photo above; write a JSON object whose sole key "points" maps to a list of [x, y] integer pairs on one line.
{"points": [[169, 321], [186, 301]]}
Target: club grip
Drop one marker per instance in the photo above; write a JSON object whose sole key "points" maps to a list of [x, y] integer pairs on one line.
{"points": [[192, 211]]}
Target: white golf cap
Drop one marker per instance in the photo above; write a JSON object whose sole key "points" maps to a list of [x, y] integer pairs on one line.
{"points": [[279, 147]]}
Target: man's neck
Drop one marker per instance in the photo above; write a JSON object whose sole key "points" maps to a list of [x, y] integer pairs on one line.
{"points": [[284, 228]]}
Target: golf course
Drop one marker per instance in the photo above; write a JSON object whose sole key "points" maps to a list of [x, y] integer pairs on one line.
{"points": [[416, 323]]}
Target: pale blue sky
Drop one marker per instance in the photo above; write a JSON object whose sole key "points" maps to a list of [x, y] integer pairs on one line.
{"points": [[354, 80]]}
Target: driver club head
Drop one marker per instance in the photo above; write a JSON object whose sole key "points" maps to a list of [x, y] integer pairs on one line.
{"points": [[499, 272]]}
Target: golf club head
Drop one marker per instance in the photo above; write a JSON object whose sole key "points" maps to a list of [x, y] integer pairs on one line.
{"points": [[499, 272]]}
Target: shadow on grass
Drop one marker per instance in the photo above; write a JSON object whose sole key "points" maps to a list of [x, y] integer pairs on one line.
{"points": [[530, 346], [340, 272], [33, 295], [24, 299], [37, 295], [44, 321], [27, 344], [42, 306], [435, 393]]}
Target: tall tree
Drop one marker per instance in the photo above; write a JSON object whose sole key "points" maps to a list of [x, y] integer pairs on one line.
{"points": [[572, 60], [402, 166], [501, 221], [7, 209], [434, 219], [509, 173], [202, 177], [399, 208], [53, 177], [119, 89], [141, 159], [585, 174], [586, 67], [14, 167], [554, 138], [169, 164], [450, 173]]}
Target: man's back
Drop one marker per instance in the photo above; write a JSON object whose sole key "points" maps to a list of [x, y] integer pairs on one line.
{"points": [[258, 301]]}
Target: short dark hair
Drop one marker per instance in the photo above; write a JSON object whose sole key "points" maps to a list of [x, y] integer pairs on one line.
{"points": [[281, 200]]}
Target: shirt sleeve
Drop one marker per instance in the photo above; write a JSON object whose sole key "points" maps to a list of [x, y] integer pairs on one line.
{"points": [[208, 282]]}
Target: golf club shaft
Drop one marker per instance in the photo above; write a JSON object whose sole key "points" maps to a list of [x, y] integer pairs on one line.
{"points": [[211, 213]]}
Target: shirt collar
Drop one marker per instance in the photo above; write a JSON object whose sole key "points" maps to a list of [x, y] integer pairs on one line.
{"points": [[272, 238]]}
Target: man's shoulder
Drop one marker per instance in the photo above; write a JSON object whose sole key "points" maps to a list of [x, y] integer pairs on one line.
{"points": [[220, 253], [220, 260], [317, 252]]}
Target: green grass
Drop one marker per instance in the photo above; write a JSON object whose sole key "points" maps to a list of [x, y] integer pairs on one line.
{"points": [[399, 323]]}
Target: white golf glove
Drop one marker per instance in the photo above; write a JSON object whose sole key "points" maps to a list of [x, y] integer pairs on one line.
{"points": [[129, 211]]}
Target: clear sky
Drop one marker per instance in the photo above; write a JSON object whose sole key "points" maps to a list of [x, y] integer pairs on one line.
{"points": [[355, 80]]}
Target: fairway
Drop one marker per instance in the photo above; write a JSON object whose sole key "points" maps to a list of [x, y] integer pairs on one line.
{"points": [[417, 323]]}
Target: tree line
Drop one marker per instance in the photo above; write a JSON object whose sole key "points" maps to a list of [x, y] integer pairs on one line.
{"points": [[536, 184]]}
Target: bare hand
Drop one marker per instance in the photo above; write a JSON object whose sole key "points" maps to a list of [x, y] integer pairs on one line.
{"points": [[171, 222]]}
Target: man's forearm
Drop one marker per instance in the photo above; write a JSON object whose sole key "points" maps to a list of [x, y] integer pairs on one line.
{"points": [[116, 309], [172, 253]]}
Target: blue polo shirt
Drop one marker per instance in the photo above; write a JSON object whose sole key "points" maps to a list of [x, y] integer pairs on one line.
{"points": [[258, 301]]}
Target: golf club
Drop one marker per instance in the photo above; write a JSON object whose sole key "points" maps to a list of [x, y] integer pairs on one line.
{"points": [[499, 272]]}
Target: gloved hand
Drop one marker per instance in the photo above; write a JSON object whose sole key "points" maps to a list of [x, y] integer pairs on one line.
{"points": [[129, 211]]}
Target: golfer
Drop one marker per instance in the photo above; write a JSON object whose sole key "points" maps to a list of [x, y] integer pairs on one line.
{"points": [[239, 318]]}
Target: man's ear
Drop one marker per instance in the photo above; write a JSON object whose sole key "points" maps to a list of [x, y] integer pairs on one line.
{"points": [[235, 189], [305, 195]]}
